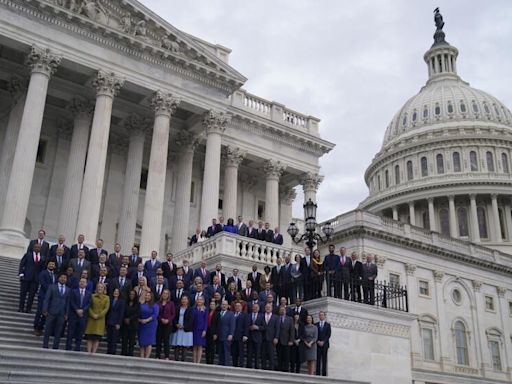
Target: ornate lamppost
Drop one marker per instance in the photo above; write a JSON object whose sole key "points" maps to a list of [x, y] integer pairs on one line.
{"points": [[310, 237]]}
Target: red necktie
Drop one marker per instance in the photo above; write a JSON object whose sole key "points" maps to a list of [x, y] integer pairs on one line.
{"points": [[36, 258]]}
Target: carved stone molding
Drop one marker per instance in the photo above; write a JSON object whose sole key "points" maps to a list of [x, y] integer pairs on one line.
{"points": [[65, 129], [273, 169], [233, 156], [137, 125], [248, 182], [80, 106], [215, 122], [118, 144], [311, 181], [410, 269], [476, 285], [41, 60], [288, 196], [380, 260], [186, 141], [438, 276], [164, 103], [369, 326], [107, 83], [17, 86], [501, 291]]}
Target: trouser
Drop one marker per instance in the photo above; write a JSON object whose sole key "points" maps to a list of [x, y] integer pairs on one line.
{"points": [[295, 362], [210, 348], [253, 354], [355, 294], [39, 319], [27, 287], [321, 361], [237, 352], [343, 291], [127, 340], [224, 353], [268, 352], [369, 292], [283, 358], [76, 328], [112, 339], [54, 325], [163, 331]]}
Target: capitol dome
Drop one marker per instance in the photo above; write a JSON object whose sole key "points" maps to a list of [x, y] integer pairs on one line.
{"points": [[444, 164]]}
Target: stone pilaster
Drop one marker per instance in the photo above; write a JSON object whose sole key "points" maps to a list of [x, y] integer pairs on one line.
{"points": [[214, 124], [273, 171], [412, 213], [232, 159], [452, 216], [82, 111], [496, 219], [473, 219], [431, 214], [43, 64], [310, 183], [107, 85], [164, 105]]}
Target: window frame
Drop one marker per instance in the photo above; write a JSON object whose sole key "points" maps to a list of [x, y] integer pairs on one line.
{"points": [[429, 291]]}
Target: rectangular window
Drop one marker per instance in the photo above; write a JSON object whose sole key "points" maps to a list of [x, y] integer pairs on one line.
{"points": [[144, 178], [221, 202], [261, 209], [41, 151], [424, 288], [428, 343], [495, 355], [394, 279], [192, 192], [489, 303]]}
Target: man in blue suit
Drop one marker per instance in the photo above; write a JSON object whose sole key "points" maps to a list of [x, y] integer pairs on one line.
{"points": [[55, 308], [213, 229], [225, 331], [331, 265], [270, 338], [31, 264], [255, 337], [151, 265], [240, 336], [324, 334], [46, 279], [79, 305]]}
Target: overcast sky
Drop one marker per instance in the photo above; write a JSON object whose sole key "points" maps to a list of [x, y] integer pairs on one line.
{"points": [[352, 64]]}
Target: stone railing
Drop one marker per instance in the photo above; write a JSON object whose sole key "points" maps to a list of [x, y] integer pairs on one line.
{"points": [[235, 246], [274, 111]]}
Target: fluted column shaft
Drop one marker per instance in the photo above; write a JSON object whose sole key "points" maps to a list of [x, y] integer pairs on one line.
{"points": [[107, 85], [18, 94], [273, 170], [164, 106], [233, 158], [128, 220], [215, 124], [475, 232], [496, 218], [431, 215], [508, 219], [453, 218], [75, 168], [412, 214], [43, 64], [310, 184], [286, 213]]}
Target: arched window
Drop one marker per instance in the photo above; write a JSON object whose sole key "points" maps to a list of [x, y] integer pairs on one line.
{"points": [[425, 112], [486, 108], [386, 178], [456, 162], [409, 170], [426, 220], [473, 161], [462, 216], [424, 167], [490, 161], [440, 163], [450, 107], [437, 110], [462, 107], [397, 174], [414, 116], [482, 222], [461, 343], [504, 162], [404, 121], [444, 221], [475, 107]]}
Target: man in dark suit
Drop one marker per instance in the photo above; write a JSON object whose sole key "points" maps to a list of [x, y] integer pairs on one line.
{"points": [[174, 279], [168, 267], [255, 336], [225, 332], [188, 274], [278, 238], [286, 281], [215, 286], [322, 344], [252, 230], [55, 308], [199, 290], [236, 280], [276, 278], [343, 275], [122, 282], [94, 253], [247, 291], [305, 270], [254, 277], [269, 234], [270, 338], [154, 279], [213, 229], [159, 287], [369, 276], [46, 278], [60, 244], [177, 294], [78, 246], [135, 259], [357, 277], [151, 265], [286, 338], [115, 260], [260, 231], [203, 273], [61, 259], [240, 336], [79, 264], [267, 292], [31, 264], [136, 274], [241, 227], [102, 263], [44, 246], [195, 237], [300, 310], [79, 305], [220, 275], [331, 265], [102, 278]]}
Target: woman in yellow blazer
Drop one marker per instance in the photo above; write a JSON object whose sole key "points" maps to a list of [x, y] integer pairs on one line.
{"points": [[96, 320]]}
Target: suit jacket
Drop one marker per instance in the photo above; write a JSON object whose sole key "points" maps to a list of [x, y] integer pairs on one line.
{"points": [[150, 270], [253, 232], [94, 257], [213, 230], [95, 282], [137, 261], [115, 312], [95, 270], [205, 276], [205, 294], [276, 278], [189, 276], [238, 285], [247, 294], [255, 282], [78, 270], [305, 269], [155, 291], [271, 328], [174, 280], [286, 330], [188, 320], [125, 289], [324, 334], [331, 262], [345, 270], [152, 282], [278, 239], [45, 280], [357, 270], [115, 263], [53, 252], [243, 229], [226, 325], [256, 336], [369, 272], [134, 277], [63, 265], [222, 278], [211, 290], [75, 303], [176, 299], [45, 247], [269, 235], [260, 234], [241, 326], [29, 268], [303, 314], [193, 240], [169, 270], [263, 295], [55, 303], [74, 251]]}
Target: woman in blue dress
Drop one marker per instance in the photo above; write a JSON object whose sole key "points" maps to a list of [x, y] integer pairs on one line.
{"points": [[182, 337], [200, 327], [148, 321], [230, 226]]}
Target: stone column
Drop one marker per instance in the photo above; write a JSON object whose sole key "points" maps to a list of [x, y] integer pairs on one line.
{"points": [[453, 217], [164, 105], [475, 232], [107, 85], [82, 111], [496, 219], [273, 170], [232, 159], [137, 128], [248, 198], [17, 89], [443, 323], [395, 212], [310, 184], [412, 214], [214, 124], [431, 214], [286, 212], [43, 64], [180, 229], [508, 218]]}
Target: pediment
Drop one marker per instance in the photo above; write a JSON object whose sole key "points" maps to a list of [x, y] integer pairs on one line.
{"points": [[133, 24]]}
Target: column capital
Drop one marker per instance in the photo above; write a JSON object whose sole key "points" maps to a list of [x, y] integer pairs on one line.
{"points": [[163, 103], [80, 106], [451, 197], [233, 156], [477, 284], [288, 196], [501, 291], [186, 141], [494, 196], [41, 60], [137, 125], [215, 122], [273, 169], [118, 144], [438, 276], [430, 200], [17, 86], [410, 269], [248, 182], [65, 128], [107, 83], [311, 181], [472, 196]]}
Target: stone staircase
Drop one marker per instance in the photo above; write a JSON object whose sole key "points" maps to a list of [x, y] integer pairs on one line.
{"points": [[22, 359]]}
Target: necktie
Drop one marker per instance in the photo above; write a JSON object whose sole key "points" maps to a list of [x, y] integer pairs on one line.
{"points": [[179, 293], [197, 296], [222, 313], [61, 290], [159, 289], [236, 314], [81, 297], [267, 318], [36, 258], [59, 260], [122, 282], [254, 317], [80, 263], [282, 319], [52, 276]]}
